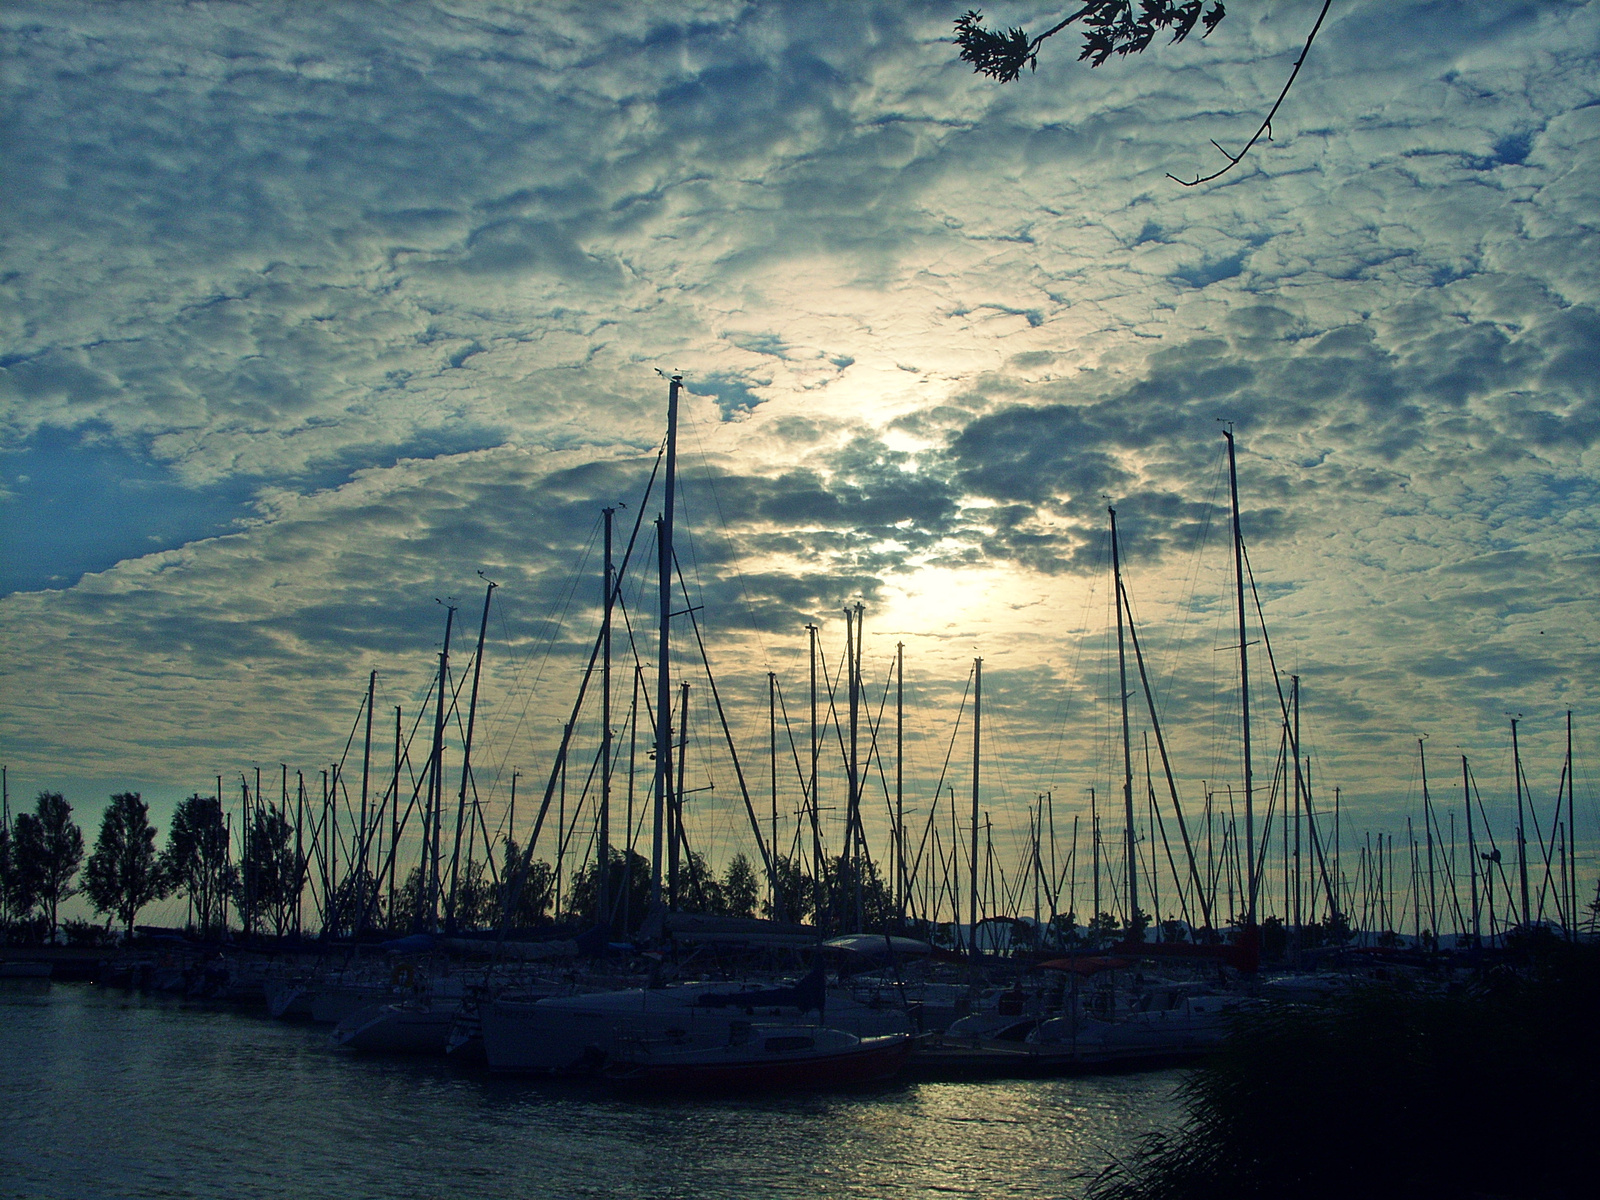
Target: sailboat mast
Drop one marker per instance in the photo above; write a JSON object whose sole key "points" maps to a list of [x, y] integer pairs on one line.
{"points": [[663, 780], [1427, 827], [852, 638], [299, 840], [1299, 807], [435, 780], [816, 824], [1572, 844], [977, 727], [1472, 849], [772, 765], [394, 817], [602, 850], [1522, 840], [1244, 687], [1094, 849], [900, 779], [466, 755], [677, 840], [1134, 931], [366, 771]]}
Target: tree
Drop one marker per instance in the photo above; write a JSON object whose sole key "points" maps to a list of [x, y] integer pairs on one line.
{"points": [[273, 871], [8, 880], [1109, 27], [47, 848], [123, 874], [796, 892], [629, 883], [739, 888], [839, 890], [1113, 27], [526, 889], [196, 860]]}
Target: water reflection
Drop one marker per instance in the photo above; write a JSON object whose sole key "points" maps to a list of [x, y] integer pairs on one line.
{"points": [[110, 1095]]}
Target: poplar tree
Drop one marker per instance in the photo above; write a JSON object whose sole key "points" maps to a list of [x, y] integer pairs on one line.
{"points": [[46, 851], [196, 859], [123, 874]]}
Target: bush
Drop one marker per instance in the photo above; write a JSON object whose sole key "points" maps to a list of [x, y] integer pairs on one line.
{"points": [[87, 933], [1391, 1092]]}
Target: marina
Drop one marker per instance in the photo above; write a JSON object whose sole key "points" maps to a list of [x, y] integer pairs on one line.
{"points": [[243, 1106], [752, 599]]}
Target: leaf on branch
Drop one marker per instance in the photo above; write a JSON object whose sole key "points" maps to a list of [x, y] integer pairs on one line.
{"points": [[1111, 27], [1000, 56]]}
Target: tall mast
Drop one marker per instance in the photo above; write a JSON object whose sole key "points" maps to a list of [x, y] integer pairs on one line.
{"points": [[977, 729], [1127, 749], [1300, 803], [435, 771], [772, 764], [1472, 849], [366, 770], [466, 754], [394, 818], [816, 824], [676, 803], [299, 841], [1094, 850], [663, 780], [327, 876], [602, 850], [900, 780], [1427, 826], [1522, 840], [1244, 688], [853, 823], [1572, 844]]}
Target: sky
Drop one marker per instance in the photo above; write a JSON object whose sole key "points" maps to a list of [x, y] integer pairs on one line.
{"points": [[312, 313]]}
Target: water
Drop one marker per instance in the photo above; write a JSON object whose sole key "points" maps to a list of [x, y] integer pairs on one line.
{"points": [[103, 1095]]}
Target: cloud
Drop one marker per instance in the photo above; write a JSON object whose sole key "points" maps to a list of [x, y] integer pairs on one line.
{"points": [[339, 306]]}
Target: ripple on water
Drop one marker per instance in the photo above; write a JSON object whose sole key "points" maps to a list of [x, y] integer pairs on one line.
{"points": [[105, 1095]]}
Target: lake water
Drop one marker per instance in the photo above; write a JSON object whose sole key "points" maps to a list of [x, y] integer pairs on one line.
{"points": [[103, 1094]]}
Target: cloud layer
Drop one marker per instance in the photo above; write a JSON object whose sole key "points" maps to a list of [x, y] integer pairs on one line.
{"points": [[349, 302]]}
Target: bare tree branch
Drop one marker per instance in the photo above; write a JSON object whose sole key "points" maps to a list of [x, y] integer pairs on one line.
{"points": [[1113, 27], [1266, 125]]}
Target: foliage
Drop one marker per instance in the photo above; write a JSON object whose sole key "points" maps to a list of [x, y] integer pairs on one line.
{"points": [[270, 873], [526, 889], [1374, 1095], [1109, 27], [629, 883], [739, 888], [354, 909], [10, 909], [477, 900], [86, 933], [797, 897], [123, 874], [1112, 27], [839, 891], [46, 850], [196, 860]]}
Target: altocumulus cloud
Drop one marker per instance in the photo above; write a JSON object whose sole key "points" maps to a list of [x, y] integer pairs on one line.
{"points": [[378, 289]]}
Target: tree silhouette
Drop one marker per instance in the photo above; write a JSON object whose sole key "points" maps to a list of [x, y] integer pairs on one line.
{"points": [[1114, 27], [274, 872], [196, 859], [47, 848], [123, 874], [1109, 27]]}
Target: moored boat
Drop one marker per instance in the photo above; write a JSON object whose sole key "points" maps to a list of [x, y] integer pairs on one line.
{"points": [[760, 1058]]}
